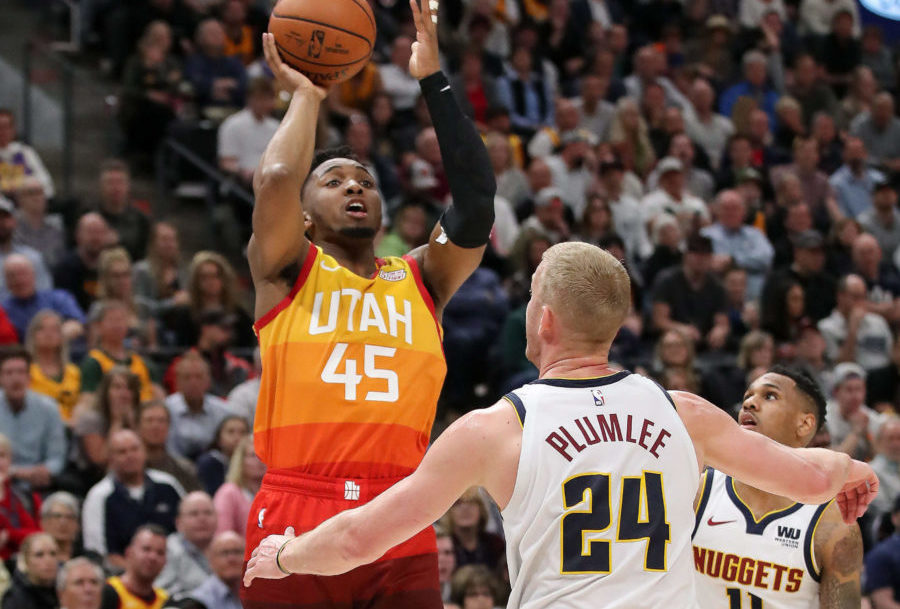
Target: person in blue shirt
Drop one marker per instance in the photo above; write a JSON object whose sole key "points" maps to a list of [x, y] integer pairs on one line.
{"points": [[753, 86], [25, 300], [883, 567]]}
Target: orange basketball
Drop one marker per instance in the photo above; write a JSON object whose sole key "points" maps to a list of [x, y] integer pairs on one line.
{"points": [[328, 40]]}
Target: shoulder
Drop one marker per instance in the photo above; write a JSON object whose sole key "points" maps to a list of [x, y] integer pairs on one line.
{"points": [[100, 491], [838, 546], [163, 479], [42, 403]]}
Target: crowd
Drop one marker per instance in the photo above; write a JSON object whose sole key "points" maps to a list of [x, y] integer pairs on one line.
{"points": [[742, 157]]}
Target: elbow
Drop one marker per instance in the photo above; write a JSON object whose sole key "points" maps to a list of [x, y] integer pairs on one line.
{"points": [[353, 549]]}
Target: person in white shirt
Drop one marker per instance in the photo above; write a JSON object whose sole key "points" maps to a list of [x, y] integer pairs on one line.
{"points": [[707, 128], [596, 113], [570, 168], [402, 88], [851, 333], [18, 160], [851, 424], [243, 136], [672, 198], [816, 16], [546, 141]]}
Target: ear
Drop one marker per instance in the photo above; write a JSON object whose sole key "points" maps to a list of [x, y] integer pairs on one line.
{"points": [[547, 324], [806, 426]]}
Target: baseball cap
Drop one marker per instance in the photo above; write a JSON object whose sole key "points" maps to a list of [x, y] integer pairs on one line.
{"points": [[846, 371], [548, 196], [668, 164], [6, 205], [699, 244], [808, 239]]}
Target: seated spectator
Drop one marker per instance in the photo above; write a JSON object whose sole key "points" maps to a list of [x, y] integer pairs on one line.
{"points": [[841, 238], [25, 300], [9, 248], [33, 420], [409, 229], [691, 299], [34, 580], [883, 384], [186, 549], [244, 135], [475, 89], [596, 223], [710, 130], [52, 372], [474, 545], [569, 167], [77, 272], [879, 129], [111, 324], [882, 219], [549, 138], [877, 58], [79, 584], [533, 107], [115, 282], [886, 464], [817, 191], [196, 413], [854, 182], [222, 588], [851, 423], [160, 278], [446, 560], [830, 141], [860, 95], [753, 86], [359, 138], [674, 350], [61, 519], [851, 332], [882, 279], [17, 509], [153, 427], [630, 138], [737, 244], [841, 51], [549, 216], [242, 399], [807, 269], [666, 248], [129, 497], [627, 217], [785, 316], [475, 587], [596, 113], [218, 81], [240, 39], [883, 567], [233, 499], [396, 81], [34, 226], [672, 198], [811, 93], [19, 160], [698, 181], [743, 314], [426, 176], [144, 560], [213, 464], [117, 207]]}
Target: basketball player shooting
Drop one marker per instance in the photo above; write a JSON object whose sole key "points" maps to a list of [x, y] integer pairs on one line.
{"points": [[595, 469], [754, 549], [350, 344]]}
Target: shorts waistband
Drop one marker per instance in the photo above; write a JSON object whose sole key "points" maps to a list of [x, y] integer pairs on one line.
{"points": [[350, 489]]}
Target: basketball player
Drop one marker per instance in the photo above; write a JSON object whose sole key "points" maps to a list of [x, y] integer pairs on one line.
{"points": [[595, 469], [753, 549], [352, 363]]}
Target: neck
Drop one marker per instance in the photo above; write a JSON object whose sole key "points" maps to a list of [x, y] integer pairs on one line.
{"points": [[252, 485], [193, 403], [574, 365], [16, 404], [155, 453], [704, 113], [65, 548], [359, 260], [46, 357], [886, 214], [233, 584], [116, 349], [33, 218], [136, 479], [137, 585], [89, 258], [760, 502]]}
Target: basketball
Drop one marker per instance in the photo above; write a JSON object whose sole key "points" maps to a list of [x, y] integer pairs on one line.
{"points": [[328, 40]]}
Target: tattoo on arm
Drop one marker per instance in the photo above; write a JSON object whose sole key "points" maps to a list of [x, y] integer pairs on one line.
{"points": [[842, 552]]}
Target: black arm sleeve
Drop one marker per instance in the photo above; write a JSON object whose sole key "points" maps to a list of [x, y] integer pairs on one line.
{"points": [[469, 219]]}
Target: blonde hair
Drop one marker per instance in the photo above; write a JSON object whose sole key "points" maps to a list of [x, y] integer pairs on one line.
{"points": [[25, 549], [5, 443], [33, 326], [587, 288], [229, 295], [107, 259], [752, 341], [235, 473]]}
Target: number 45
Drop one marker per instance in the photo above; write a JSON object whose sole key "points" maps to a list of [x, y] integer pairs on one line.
{"points": [[350, 379]]}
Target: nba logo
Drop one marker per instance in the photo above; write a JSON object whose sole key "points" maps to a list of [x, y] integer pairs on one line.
{"points": [[315, 43], [599, 400], [351, 491]]}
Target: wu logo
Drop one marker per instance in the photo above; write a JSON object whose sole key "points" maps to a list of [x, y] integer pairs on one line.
{"points": [[599, 400], [788, 532]]}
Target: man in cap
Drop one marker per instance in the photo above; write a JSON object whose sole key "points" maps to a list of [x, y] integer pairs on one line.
{"points": [[851, 424], [671, 197]]}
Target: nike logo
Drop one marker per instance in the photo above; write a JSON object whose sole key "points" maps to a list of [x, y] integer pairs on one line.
{"points": [[447, 88], [715, 523]]}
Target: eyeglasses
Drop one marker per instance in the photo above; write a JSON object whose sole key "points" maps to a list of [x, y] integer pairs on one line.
{"points": [[61, 516]]}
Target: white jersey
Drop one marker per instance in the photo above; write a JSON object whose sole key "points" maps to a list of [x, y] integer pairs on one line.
{"points": [[744, 563], [601, 513]]}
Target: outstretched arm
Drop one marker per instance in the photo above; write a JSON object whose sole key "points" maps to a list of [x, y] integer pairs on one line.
{"points": [[457, 243], [806, 475], [480, 449], [278, 224]]}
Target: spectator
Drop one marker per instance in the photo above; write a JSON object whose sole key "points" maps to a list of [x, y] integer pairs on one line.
{"points": [[596, 113], [883, 567], [549, 138], [153, 427], [213, 464], [830, 142], [52, 372], [409, 230], [882, 279], [17, 509], [446, 560], [219, 81], [18, 160], [32, 419], [9, 248], [79, 584], [358, 136], [887, 464], [187, 565], [240, 39], [357, 95], [753, 86], [851, 332], [751, 12], [160, 278], [476, 89], [243, 136], [473, 544], [630, 138], [707, 128], [512, 183], [426, 170], [851, 423], [475, 587], [854, 182], [549, 216], [817, 191], [883, 384], [144, 560], [843, 235], [242, 399], [841, 51], [34, 227], [33, 584], [111, 321], [816, 16], [222, 588], [570, 168], [785, 316], [666, 251], [882, 219], [525, 93], [596, 223], [627, 217], [195, 412], [673, 199], [812, 94], [402, 88], [116, 206], [876, 58], [649, 68], [699, 182], [77, 272], [127, 498], [60, 518], [859, 97], [807, 269], [674, 350], [233, 499], [735, 243], [25, 300], [114, 282], [879, 129]]}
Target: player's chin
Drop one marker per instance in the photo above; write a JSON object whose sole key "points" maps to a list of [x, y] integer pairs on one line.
{"points": [[358, 232]]}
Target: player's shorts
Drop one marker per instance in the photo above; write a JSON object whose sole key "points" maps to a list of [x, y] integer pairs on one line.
{"points": [[406, 577]]}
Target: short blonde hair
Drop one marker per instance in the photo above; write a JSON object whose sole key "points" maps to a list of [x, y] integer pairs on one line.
{"points": [[587, 288]]}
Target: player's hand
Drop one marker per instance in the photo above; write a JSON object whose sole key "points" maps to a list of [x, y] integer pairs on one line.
{"points": [[262, 560], [860, 488], [425, 60], [290, 79]]}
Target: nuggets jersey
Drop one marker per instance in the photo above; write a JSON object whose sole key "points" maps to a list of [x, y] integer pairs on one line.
{"points": [[601, 510], [351, 371], [744, 563]]}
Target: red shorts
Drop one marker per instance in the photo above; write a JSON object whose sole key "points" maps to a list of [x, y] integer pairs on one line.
{"points": [[406, 577]]}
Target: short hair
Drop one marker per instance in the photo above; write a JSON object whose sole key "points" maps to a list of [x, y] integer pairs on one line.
{"points": [[101, 307], [154, 404], [189, 357], [469, 576], [326, 154], [807, 386], [753, 56], [154, 529], [63, 574], [117, 165], [588, 288], [8, 352], [260, 86], [63, 498]]}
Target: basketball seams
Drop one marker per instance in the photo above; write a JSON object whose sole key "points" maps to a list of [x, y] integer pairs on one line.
{"points": [[367, 10], [316, 63], [323, 24]]}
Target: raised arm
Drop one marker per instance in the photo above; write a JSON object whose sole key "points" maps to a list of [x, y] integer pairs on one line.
{"points": [[278, 224], [457, 244], [806, 475]]}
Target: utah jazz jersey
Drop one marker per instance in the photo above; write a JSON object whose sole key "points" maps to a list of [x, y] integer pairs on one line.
{"points": [[601, 511], [352, 368], [744, 563]]}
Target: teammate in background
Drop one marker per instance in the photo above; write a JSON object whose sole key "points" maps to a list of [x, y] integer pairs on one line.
{"points": [[350, 344], [595, 469], [755, 549]]}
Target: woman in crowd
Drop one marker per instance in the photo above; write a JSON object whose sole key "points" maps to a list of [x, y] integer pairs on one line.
{"points": [[785, 316], [213, 464], [115, 282], [34, 580], [473, 544], [233, 499], [475, 587], [756, 355], [674, 351], [596, 222], [17, 511], [512, 184], [52, 373], [160, 278], [61, 519], [630, 138], [525, 257]]}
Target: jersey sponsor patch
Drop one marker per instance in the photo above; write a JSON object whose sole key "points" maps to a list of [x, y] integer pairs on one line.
{"points": [[398, 275]]}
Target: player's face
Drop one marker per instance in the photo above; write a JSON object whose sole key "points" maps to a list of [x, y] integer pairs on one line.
{"points": [[772, 407], [342, 197]]}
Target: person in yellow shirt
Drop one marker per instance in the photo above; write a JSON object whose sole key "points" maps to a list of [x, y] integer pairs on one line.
{"points": [[145, 558], [51, 371]]}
